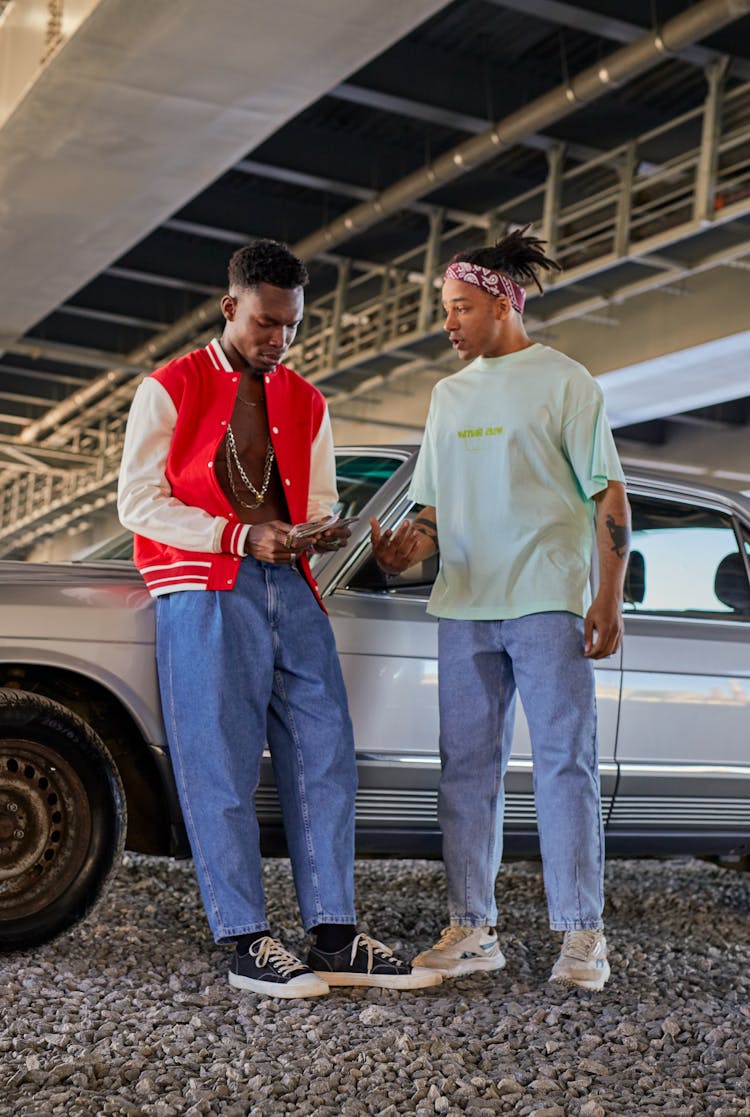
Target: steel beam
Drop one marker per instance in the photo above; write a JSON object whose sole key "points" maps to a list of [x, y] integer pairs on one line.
{"points": [[69, 354], [111, 316], [446, 118], [616, 30], [136, 276], [596, 81], [35, 374], [50, 455], [335, 186]]}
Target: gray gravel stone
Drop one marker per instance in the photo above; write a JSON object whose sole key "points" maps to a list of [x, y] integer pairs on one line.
{"points": [[131, 1015]]}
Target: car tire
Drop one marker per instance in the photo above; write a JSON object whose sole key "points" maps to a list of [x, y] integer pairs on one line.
{"points": [[62, 819]]}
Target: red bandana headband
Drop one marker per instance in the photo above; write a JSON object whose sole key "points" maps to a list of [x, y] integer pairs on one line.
{"points": [[495, 283]]}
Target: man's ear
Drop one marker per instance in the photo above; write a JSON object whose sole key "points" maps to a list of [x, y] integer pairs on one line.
{"points": [[228, 307], [501, 307]]}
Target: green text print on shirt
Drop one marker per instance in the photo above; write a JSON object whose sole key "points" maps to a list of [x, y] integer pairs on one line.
{"points": [[472, 436]]}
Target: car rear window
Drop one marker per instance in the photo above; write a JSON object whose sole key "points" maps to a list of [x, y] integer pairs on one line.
{"points": [[685, 559]]}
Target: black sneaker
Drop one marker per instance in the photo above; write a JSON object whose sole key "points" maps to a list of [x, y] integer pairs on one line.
{"points": [[270, 968], [368, 962]]}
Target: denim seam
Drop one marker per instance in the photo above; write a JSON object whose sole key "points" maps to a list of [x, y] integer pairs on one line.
{"points": [[576, 925], [185, 797], [600, 831], [272, 599], [300, 766], [327, 917], [489, 883], [229, 933]]}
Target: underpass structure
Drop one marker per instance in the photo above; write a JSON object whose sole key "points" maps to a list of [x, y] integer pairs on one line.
{"points": [[648, 215]]}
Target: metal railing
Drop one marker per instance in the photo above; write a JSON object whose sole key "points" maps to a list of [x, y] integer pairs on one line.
{"points": [[623, 205], [629, 204]]}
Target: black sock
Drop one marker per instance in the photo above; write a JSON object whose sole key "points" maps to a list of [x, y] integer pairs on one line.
{"points": [[244, 942], [330, 937]]}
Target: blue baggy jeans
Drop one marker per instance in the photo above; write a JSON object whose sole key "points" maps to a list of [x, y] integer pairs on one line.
{"points": [[238, 668], [481, 665]]}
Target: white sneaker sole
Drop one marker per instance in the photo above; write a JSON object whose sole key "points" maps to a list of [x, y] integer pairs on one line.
{"points": [[457, 967], [310, 987], [595, 984], [418, 979]]}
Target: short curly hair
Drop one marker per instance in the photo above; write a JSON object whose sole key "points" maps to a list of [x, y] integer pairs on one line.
{"points": [[266, 261]]}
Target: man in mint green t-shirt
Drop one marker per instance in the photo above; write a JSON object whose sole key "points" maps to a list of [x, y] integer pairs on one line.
{"points": [[517, 458]]}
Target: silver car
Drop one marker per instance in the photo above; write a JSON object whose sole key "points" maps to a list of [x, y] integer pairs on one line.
{"points": [[84, 768]]}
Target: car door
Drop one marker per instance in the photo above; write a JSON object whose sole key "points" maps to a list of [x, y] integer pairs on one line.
{"points": [[362, 474], [682, 743], [388, 648]]}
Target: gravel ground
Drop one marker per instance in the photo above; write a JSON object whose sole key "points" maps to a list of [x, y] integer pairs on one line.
{"points": [[131, 1013]]}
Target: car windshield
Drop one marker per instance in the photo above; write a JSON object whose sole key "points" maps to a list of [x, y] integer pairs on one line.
{"points": [[359, 475]]}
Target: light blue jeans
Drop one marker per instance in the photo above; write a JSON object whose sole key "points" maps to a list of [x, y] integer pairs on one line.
{"points": [[237, 668], [481, 665]]}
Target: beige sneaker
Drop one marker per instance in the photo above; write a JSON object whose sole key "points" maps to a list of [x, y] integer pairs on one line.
{"points": [[462, 950], [583, 960]]}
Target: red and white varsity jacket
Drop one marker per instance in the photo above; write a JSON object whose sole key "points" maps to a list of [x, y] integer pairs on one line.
{"points": [[187, 535]]}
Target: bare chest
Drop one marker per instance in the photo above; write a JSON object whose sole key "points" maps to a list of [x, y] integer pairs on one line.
{"points": [[245, 463]]}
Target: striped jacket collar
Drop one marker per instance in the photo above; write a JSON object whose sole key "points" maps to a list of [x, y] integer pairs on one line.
{"points": [[219, 358]]}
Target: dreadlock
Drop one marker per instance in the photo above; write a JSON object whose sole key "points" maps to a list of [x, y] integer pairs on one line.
{"points": [[517, 255], [266, 261]]}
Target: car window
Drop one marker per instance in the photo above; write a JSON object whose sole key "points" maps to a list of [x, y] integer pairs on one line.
{"points": [[415, 581], [359, 476], [121, 547], [685, 560]]}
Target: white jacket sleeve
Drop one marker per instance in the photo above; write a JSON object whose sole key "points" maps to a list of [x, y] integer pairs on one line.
{"points": [[323, 494], [144, 497]]}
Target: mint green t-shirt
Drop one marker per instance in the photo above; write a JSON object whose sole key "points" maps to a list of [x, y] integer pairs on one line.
{"points": [[514, 449]]}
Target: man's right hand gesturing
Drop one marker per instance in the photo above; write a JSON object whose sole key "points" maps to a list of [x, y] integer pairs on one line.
{"points": [[395, 550]]}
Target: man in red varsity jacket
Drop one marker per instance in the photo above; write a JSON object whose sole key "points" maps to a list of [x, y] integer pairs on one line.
{"points": [[226, 448]]}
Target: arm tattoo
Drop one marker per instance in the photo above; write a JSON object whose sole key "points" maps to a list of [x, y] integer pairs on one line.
{"points": [[427, 527], [620, 536]]}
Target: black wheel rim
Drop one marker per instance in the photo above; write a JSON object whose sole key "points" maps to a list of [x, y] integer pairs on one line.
{"points": [[45, 827]]}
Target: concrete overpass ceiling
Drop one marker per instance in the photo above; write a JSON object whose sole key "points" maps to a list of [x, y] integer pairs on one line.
{"points": [[347, 119], [93, 144]]}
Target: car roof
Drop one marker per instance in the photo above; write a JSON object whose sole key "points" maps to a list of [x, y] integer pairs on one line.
{"points": [[681, 485]]}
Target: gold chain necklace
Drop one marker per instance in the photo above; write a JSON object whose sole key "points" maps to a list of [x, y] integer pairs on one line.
{"points": [[233, 459], [248, 403]]}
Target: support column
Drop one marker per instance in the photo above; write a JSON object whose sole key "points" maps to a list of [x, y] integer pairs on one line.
{"points": [[625, 201], [705, 175], [339, 305], [552, 196], [432, 250], [385, 291]]}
